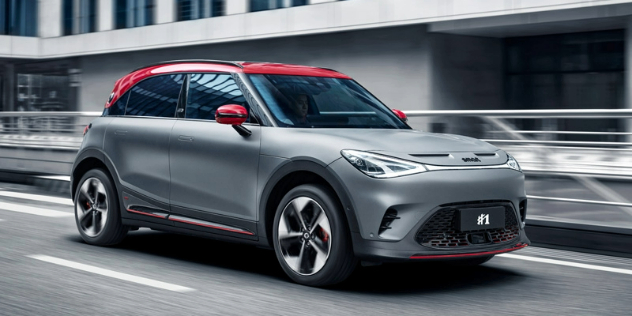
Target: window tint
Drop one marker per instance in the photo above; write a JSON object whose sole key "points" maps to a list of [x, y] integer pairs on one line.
{"points": [[157, 96], [118, 108], [207, 92]]}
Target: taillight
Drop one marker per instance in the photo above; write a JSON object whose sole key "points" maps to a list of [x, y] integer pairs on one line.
{"points": [[85, 129]]}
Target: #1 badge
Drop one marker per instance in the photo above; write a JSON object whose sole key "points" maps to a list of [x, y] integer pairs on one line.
{"points": [[481, 218]]}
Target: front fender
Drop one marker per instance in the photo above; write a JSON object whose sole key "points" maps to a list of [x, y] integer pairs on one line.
{"points": [[281, 167]]}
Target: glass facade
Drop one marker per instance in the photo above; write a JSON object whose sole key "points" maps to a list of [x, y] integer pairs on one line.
{"points": [[68, 17], [18, 17], [83, 20], [198, 9], [133, 13], [567, 71], [46, 86], [262, 5], [87, 16]]}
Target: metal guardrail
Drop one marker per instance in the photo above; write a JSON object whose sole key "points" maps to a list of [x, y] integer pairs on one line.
{"points": [[548, 152], [43, 130], [575, 113]]}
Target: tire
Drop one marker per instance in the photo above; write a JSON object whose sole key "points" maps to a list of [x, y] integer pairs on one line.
{"points": [[97, 198], [470, 262], [335, 239]]}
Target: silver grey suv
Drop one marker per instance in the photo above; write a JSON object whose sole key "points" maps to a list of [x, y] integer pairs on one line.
{"points": [[298, 159]]}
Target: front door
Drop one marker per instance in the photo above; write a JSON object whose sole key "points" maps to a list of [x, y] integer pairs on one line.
{"points": [[213, 168]]}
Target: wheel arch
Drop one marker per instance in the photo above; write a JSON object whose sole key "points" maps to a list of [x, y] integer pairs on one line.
{"points": [[292, 174], [87, 160]]}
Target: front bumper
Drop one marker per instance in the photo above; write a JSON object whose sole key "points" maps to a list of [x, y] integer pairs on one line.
{"points": [[381, 251], [416, 198]]}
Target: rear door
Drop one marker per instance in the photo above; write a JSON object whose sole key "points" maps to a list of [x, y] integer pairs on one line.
{"points": [[213, 168], [138, 145]]}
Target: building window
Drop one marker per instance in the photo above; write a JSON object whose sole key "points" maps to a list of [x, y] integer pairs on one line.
{"points": [[79, 16], [68, 17], [18, 17], [133, 13], [87, 16], [198, 9], [262, 5]]}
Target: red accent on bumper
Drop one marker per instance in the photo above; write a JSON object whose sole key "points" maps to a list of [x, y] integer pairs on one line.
{"points": [[212, 226], [147, 214], [462, 255]]}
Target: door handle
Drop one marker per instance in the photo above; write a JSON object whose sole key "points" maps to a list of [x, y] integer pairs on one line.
{"points": [[183, 138], [120, 133]]}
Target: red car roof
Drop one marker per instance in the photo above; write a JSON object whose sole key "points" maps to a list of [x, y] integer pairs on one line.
{"points": [[122, 85]]}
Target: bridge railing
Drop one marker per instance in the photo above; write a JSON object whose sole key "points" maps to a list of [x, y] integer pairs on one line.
{"points": [[576, 161]]}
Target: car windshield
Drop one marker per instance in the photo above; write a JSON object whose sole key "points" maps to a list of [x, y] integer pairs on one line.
{"points": [[317, 102]]}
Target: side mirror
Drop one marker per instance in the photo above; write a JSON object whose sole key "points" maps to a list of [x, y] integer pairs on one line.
{"points": [[235, 115], [402, 116], [231, 114]]}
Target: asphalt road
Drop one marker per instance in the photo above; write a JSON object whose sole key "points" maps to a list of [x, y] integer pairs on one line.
{"points": [[46, 269]]}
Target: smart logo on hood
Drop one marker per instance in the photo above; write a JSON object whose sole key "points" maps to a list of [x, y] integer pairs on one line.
{"points": [[475, 159]]}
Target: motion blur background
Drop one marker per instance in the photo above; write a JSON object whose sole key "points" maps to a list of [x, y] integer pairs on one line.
{"points": [[546, 80]]}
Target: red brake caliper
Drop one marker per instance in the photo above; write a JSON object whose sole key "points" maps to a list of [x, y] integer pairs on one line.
{"points": [[325, 236]]}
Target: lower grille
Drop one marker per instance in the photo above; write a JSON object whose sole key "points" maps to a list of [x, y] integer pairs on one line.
{"points": [[440, 230]]}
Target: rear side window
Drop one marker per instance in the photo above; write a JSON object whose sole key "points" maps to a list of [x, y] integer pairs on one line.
{"points": [[156, 96], [207, 92], [118, 108]]}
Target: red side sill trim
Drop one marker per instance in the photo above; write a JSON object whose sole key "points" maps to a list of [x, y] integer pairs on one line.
{"points": [[147, 214], [462, 255], [211, 226]]}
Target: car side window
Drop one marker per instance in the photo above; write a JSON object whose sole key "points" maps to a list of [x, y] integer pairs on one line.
{"points": [[118, 108], [207, 92], [156, 96]]}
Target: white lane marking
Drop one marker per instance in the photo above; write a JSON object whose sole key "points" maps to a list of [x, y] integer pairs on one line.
{"points": [[33, 210], [567, 263], [112, 274], [1, 220], [37, 197]]}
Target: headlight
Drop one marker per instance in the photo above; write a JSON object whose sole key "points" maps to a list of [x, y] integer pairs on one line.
{"points": [[513, 163], [379, 166]]}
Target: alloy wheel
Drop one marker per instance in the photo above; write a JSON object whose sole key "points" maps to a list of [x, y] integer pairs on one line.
{"points": [[304, 236], [91, 207]]}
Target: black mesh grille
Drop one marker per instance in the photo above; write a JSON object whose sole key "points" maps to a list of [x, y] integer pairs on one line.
{"points": [[440, 230]]}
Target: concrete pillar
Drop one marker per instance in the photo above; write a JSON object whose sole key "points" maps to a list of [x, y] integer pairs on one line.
{"points": [[49, 18], [166, 11], [237, 6], [320, 1], [106, 15]]}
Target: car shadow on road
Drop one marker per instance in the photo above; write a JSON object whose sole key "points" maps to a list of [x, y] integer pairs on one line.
{"points": [[400, 278], [409, 278]]}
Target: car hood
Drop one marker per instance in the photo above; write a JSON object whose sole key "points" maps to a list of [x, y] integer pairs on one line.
{"points": [[414, 145]]}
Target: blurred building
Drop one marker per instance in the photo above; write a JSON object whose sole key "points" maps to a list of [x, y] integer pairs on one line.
{"points": [[65, 55]]}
